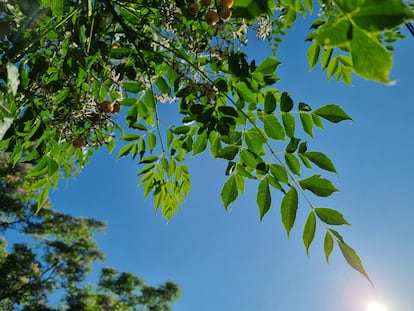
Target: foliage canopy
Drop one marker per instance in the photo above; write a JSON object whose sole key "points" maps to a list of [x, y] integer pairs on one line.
{"points": [[67, 67], [47, 269]]}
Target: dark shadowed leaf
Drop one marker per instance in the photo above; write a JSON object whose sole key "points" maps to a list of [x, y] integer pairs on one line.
{"points": [[228, 152]]}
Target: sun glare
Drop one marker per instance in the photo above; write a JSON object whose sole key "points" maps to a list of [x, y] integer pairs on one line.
{"points": [[376, 306]]}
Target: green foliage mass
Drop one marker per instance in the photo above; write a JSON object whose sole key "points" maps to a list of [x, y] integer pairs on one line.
{"points": [[55, 258], [67, 67]]}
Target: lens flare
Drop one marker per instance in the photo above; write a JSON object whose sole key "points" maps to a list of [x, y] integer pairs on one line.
{"points": [[376, 306]]}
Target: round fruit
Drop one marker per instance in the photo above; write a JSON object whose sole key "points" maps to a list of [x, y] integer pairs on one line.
{"points": [[117, 108], [205, 2], [225, 14], [78, 142], [212, 18], [227, 3], [193, 8], [106, 106]]}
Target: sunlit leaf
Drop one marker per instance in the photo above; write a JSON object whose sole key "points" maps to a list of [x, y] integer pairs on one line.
{"points": [[254, 141], [272, 127], [371, 60], [328, 245], [200, 143], [229, 191], [330, 216], [268, 66], [321, 160], [353, 259], [332, 113], [320, 186], [279, 172], [293, 163]]}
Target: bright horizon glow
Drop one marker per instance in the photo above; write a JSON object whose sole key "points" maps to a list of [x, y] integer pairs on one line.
{"points": [[376, 306]]}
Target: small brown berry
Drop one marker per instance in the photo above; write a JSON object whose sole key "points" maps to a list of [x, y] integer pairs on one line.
{"points": [[212, 18], [225, 13], [106, 106], [205, 3], [193, 8], [116, 108], [227, 3], [78, 142]]}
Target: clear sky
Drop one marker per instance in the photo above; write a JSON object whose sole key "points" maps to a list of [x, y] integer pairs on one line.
{"points": [[229, 260]]}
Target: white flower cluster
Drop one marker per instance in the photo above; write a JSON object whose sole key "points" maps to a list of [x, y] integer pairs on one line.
{"points": [[264, 29]]}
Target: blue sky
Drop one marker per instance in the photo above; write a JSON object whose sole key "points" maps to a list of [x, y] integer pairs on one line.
{"points": [[229, 260]]}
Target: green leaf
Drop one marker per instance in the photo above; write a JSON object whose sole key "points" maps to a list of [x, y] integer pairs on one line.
{"points": [[52, 165], [307, 123], [264, 198], [270, 102], [254, 141], [125, 150], [317, 120], [272, 127], [61, 96], [268, 66], [288, 209], [379, 15], [279, 172], [229, 191], [245, 92], [200, 143], [332, 113], [286, 102], [370, 58], [353, 259], [251, 9], [334, 34], [132, 87], [250, 158], [228, 152], [289, 124], [149, 159], [328, 245], [162, 85], [321, 160], [293, 163], [130, 137], [320, 186], [57, 7], [152, 141], [309, 231], [330, 216], [313, 54]]}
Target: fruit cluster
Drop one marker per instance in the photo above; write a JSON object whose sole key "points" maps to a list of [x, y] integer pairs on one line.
{"points": [[105, 107], [212, 17]]}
